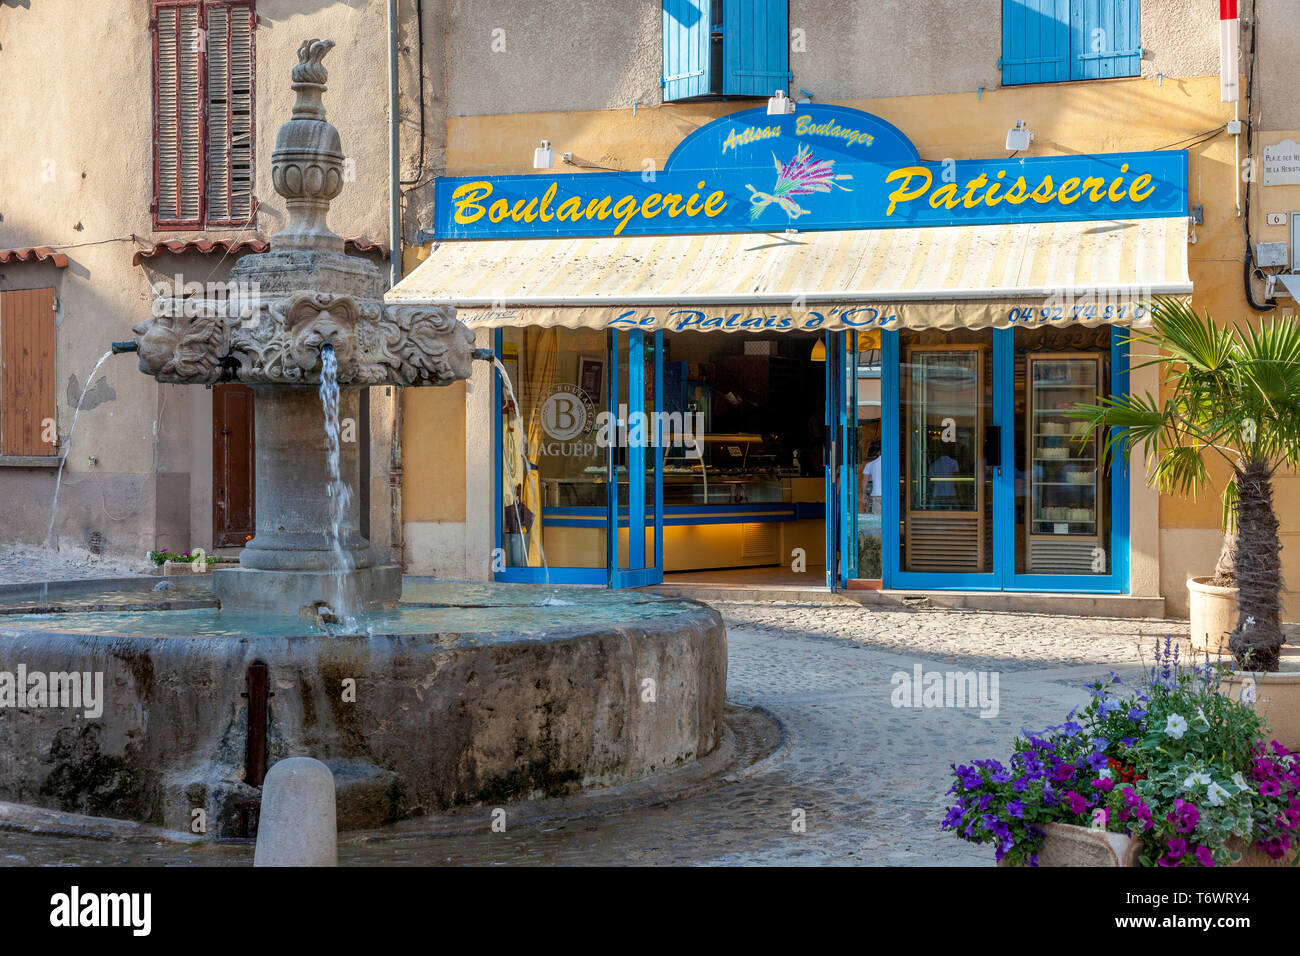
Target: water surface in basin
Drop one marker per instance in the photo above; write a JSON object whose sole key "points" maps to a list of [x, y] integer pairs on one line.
{"points": [[441, 607]]}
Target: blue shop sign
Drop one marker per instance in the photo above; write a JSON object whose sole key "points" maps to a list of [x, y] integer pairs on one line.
{"points": [[823, 167]]}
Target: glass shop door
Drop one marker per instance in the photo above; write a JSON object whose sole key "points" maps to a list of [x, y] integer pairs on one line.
{"points": [[635, 456]]}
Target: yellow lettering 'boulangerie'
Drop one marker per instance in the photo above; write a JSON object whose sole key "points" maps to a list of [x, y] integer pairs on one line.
{"points": [[917, 182], [473, 201]]}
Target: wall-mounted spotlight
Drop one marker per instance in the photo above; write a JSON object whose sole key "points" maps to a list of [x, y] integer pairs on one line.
{"points": [[544, 156], [779, 104], [1019, 137]]}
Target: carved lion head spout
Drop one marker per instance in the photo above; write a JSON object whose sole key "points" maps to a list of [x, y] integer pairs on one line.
{"points": [[181, 349], [428, 345], [316, 319]]}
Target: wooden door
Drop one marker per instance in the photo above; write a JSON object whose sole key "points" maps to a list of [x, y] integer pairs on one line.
{"points": [[233, 515]]}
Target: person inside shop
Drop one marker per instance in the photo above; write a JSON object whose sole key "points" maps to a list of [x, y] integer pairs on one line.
{"points": [[873, 487]]}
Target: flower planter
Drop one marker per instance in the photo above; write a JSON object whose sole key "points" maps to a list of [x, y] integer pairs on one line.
{"points": [[1213, 613], [1065, 844], [1277, 696], [175, 568]]}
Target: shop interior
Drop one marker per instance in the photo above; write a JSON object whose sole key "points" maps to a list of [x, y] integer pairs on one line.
{"points": [[743, 483]]}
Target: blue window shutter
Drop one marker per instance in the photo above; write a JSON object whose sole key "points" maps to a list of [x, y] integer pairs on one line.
{"points": [[1035, 41], [755, 47], [686, 48], [1105, 39]]}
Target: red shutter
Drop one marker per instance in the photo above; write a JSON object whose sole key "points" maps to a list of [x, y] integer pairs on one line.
{"points": [[203, 113], [27, 372], [230, 112], [178, 114]]}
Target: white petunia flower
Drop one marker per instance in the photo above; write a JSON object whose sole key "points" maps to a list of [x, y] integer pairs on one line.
{"points": [[1240, 782], [1197, 779], [1176, 726], [1216, 795]]}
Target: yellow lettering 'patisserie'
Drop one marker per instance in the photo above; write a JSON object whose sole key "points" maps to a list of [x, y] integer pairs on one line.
{"points": [[917, 182]]}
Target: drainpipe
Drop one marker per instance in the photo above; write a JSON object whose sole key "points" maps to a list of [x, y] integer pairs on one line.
{"points": [[395, 274]]}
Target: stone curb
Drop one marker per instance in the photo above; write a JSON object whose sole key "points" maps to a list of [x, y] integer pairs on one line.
{"points": [[42, 822], [713, 772]]}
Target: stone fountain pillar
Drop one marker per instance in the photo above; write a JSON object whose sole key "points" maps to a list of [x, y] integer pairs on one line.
{"points": [[284, 307]]}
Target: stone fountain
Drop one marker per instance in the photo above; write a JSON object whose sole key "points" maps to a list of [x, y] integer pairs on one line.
{"points": [[431, 695], [309, 294]]}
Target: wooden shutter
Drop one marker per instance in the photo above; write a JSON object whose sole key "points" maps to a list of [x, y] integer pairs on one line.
{"points": [[178, 114], [756, 47], [27, 372], [1105, 38], [1035, 41], [230, 113], [687, 41]]}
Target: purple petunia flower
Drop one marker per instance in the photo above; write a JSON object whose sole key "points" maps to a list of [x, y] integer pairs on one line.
{"points": [[1184, 816]]}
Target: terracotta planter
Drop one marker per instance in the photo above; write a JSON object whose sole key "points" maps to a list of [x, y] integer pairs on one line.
{"points": [[1276, 696], [1065, 844], [1213, 614]]}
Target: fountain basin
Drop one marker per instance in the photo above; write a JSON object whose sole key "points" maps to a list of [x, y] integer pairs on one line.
{"points": [[463, 694]]}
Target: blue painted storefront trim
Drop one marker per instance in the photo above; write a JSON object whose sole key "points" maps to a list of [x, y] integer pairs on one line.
{"points": [[1003, 576]]}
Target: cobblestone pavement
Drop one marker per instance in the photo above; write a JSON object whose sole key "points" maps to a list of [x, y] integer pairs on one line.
{"points": [[870, 778], [23, 564]]}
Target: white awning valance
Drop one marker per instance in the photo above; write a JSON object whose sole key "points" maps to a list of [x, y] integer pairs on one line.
{"points": [[1057, 273]]}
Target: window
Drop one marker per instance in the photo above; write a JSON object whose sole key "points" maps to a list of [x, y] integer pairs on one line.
{"points": [[203, 113], [725, 47], [1049, 41], [27, 409]]}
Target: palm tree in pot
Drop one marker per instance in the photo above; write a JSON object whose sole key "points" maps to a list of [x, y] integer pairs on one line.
{"points": [[1231, 395]]}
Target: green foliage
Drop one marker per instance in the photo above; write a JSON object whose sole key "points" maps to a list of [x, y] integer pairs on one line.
{"points": [[1232, 395]]}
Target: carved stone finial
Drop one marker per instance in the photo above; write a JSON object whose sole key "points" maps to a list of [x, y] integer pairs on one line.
{"points": [[310, 69], [307, 164]]}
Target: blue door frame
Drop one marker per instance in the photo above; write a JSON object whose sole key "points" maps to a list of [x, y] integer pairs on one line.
{"points": [[841, 458], [1003, 576], [639, 571]]}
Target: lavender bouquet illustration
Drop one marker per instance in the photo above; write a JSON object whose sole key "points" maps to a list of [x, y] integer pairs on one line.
{"points": [[802, 176]]}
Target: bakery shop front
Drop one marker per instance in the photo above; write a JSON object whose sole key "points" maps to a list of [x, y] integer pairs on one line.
{"points": [[800, 352]]}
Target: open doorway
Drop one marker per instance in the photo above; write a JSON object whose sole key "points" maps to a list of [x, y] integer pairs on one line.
{"points": [[747, 507]]}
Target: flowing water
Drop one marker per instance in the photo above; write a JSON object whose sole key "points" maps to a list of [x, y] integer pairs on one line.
{"points": [[523, 439], [340, 494], [58, 482]]}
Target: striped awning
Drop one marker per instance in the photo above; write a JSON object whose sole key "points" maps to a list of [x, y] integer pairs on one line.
{"points": [[1057, 273]]}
